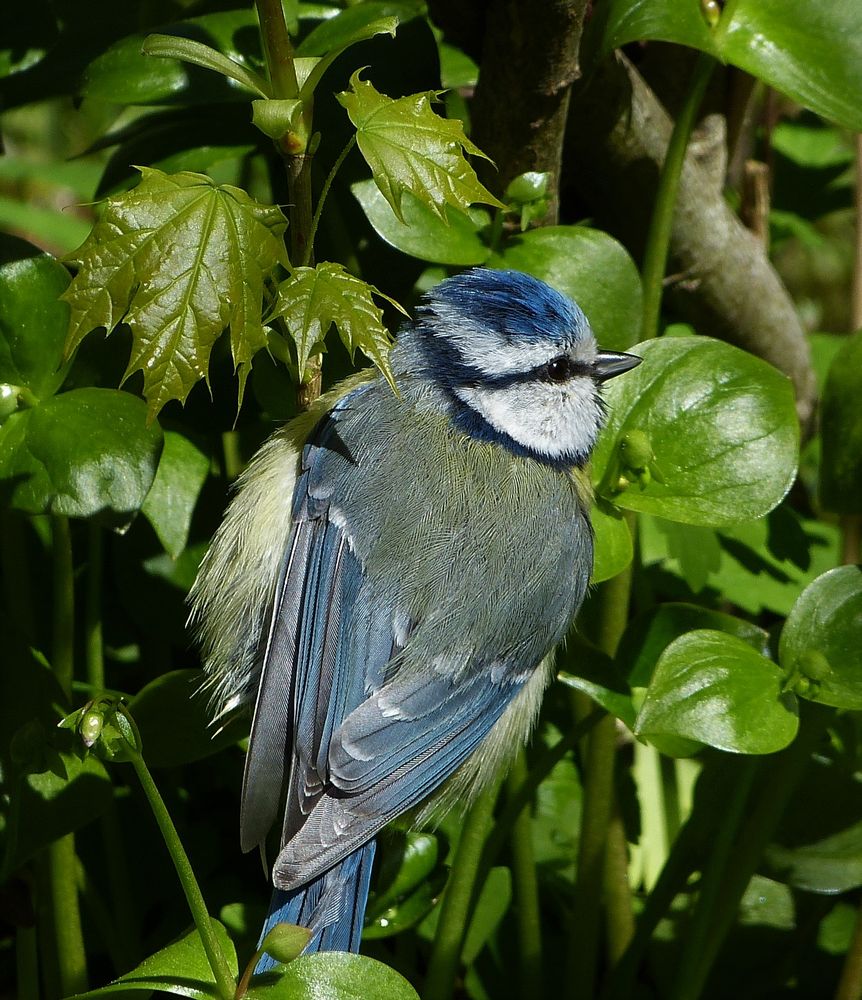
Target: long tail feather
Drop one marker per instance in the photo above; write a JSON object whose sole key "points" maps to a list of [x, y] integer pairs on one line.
{"points": [[332, 906]]}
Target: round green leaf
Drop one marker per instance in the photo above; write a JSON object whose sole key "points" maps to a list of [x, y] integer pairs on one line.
{"points": [[174, 722], [715, 689], [613, 544], [336, 975], [649, 635], [33, 324], [82, 453], [722, 426], [590, 267], [423, 233], [825, 627], [841, 431], [809, 49]]}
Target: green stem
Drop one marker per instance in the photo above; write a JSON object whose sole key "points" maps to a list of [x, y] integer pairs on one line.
{"points": [[598, 805], [324, 191], [224, 980], [526, 885], [850, 983], [661, 224], [620, 910], [458, 899], [63, 646], [95, 655], [697, 939], [851, 539], [232, 455], [66, 916], [277, 49]]}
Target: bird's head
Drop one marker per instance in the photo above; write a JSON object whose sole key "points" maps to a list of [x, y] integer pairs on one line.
{"points": [[517, 362]]}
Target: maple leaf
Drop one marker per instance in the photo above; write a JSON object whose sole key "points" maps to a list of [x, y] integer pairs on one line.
{"points": [[409, 148], [178, 258], [313, 298]]}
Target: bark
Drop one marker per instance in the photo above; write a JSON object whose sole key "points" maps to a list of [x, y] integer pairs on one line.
{"points": [[616, 140], [529, 62]]}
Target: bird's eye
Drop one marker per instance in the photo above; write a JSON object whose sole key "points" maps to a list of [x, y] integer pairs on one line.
{"points": [[559, 369]]}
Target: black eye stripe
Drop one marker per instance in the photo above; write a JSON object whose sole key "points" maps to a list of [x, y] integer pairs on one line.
{"points": [[561, 369]]}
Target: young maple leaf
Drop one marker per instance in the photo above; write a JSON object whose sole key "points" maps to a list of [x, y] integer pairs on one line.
{"points": [[313, 298], [178, 259], [409, 148]]}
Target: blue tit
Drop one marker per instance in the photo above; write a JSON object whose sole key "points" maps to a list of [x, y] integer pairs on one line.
{"points": [[392, 576]]}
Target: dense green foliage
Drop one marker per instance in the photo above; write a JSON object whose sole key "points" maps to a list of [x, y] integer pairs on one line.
{"points": [[245, 177]]}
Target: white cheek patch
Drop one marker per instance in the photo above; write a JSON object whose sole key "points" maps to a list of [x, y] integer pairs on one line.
{"points": [[555, 420]]}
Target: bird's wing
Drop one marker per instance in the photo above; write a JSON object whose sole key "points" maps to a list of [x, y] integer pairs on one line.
{"points": [[311, 677]]}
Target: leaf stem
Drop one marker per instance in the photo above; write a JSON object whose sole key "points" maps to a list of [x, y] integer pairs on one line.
{"points": [[27, 963], [526, 885], [277, 49], [661, 224], [459, 897], [66, 916], [218, 962], [324, 191], [598, 804]]}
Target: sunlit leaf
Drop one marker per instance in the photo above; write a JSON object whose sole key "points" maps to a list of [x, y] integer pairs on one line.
{"points": [[409, 148], [613, 542], [713, 688], [809, 49], [182, 968], [721, 425], [82, 453], [313, 298], [335, 975], [178, 259], [822, 638]]}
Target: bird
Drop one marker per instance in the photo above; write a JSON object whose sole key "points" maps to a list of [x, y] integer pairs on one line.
{"points": [[392, 576]]}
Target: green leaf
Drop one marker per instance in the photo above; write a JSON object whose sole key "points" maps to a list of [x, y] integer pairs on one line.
{"points": [[82, 453], [421, 232], [822, 638], [590, 267], [33, 325], [181, 968], [585, 668], [285, 942], [355, 24], [169, 505], [694, 549], [841, 431], [335, 975], [174, 721], [190, 51], [713, 688], [313, 298], [613, 542], [721, 424], [648, 635], [178, 259], [409, 148], [809, 49], [123, 74]]}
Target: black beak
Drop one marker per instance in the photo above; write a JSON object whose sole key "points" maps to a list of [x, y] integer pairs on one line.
{"points": [[609, 363]]}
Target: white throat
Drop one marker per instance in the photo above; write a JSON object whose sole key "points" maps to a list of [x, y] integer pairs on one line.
{"points": [[557, 421]]}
